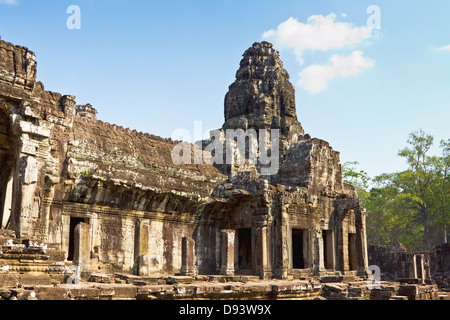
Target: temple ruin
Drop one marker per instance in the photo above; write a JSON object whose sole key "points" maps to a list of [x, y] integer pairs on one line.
{"points": [[76, 191]]}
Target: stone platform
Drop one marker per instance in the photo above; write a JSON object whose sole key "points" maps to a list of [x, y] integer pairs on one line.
{"points": [[121, 286]]}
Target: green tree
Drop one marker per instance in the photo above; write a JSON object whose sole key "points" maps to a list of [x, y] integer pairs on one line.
{"points": [[415, 200], [355, 177], [417, 185], [444, 169], [410, 206], [389, 218]]}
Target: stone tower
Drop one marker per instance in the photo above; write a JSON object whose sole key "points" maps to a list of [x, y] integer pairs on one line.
{"points": [[262, 96]]}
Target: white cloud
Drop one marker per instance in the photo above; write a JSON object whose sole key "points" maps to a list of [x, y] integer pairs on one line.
{"points": [[318, 33], [444, 48], [9, 1], [315, 78]]}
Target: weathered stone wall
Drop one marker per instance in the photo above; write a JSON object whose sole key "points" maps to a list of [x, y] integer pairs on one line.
{"points": [[440, 266], [394, 261], [69, 164], [440, 258], [17, 65]]}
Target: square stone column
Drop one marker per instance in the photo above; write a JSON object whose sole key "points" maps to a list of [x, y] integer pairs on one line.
{"points": [[82, 249], [280, 240], [412, 266], [188, 257], [141, 248], [318, 259], [361, 241], [263, 269], [420, 270], [227, 268]]}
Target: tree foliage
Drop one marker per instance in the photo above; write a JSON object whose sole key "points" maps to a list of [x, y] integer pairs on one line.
{"points": [[410, 206]]}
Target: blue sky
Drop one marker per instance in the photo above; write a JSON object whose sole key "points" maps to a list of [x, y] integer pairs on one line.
{"points": [[157, 66]]}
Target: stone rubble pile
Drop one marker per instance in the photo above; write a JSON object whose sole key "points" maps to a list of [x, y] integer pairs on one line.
{"points": [[442, 279]]}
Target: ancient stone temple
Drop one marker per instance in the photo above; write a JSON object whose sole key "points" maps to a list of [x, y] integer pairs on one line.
{"points": [[113, 199]]}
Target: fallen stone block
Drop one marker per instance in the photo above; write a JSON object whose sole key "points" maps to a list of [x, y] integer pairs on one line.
{"points": [[101, 278], [398, 298], [354, 292], [331, 279], [126, 278], [184, 279], [5, 294], [84, 293], [52, 293], [7, 233], [124, 291], [407, 290], [171, 280], [22, 294]]}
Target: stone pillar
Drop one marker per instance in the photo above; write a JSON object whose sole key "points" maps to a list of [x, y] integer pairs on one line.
{"points": [[262, 253], [188, 256], [318, 262], [426, 265], [228, 237], [281, 243], [24, 203], [141, 248], [412, 266], [218, 249], [341, 254], [420, 270], [82, 248], [364, 238], [361, 242], [321, 248]]}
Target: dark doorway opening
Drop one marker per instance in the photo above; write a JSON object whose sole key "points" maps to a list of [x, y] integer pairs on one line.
{"points": [[6, 194], [328, 249], [245, 249], [352, 261], [73, 223], [7, 159], [298, 259]]}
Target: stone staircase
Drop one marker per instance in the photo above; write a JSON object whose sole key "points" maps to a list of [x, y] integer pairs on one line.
{"points": [[27, 262]]}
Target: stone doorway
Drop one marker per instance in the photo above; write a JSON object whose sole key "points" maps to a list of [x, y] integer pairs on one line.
{"points": [[7, 160], [328, 249], [245, 249], [352, 259], [298, 244], [74, 221]]}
